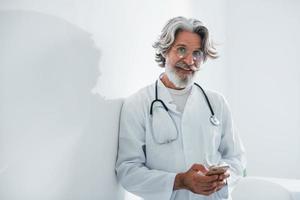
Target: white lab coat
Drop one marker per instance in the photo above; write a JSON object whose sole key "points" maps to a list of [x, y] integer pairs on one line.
{"points": [[148, 169]]}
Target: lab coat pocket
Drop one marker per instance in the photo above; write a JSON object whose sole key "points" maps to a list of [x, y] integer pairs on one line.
{"points": [[164, 129]]}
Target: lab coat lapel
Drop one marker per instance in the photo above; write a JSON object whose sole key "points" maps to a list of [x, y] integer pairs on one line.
{"points": [[193, 127]]}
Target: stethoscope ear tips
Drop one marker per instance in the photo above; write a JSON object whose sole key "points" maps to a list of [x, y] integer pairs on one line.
{"points": [[214, 120]]}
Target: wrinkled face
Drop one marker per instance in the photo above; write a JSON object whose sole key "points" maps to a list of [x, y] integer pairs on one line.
{"points": [[183, 59]]}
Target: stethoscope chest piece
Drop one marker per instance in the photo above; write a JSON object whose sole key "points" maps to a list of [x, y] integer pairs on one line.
{"points": [[214, 120]]}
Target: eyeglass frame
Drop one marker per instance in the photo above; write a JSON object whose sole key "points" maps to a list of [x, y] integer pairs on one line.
{"points": [[187, 53]]}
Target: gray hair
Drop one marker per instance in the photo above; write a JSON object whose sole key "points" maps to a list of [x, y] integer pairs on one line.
{"points": [[172, 28]]}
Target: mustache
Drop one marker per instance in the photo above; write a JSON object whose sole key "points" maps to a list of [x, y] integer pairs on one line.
{"points": [[185, 66]]}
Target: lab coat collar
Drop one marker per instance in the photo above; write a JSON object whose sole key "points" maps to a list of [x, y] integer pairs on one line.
{"points": [[163, 92], [165, 95]]}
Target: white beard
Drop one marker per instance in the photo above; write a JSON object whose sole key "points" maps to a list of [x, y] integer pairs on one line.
{"points": [[178, 81]]}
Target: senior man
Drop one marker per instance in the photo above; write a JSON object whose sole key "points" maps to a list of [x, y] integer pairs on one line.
{"points": [[173, 131]]}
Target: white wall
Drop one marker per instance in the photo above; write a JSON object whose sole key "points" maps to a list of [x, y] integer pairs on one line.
{"points": [[57, 140], [264, 79], [213, 14]]}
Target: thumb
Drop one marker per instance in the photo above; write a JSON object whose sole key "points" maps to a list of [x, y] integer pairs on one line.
{"points": [[199, 168]]}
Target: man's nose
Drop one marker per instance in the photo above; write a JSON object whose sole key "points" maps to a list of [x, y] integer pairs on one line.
{"points": [[189, 59]]}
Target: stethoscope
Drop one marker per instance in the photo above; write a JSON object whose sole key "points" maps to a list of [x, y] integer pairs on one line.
{"points": [[213, 119], [163, 132]]}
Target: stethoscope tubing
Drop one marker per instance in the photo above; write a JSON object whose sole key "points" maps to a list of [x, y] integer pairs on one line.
{"points": [[213, 118]]}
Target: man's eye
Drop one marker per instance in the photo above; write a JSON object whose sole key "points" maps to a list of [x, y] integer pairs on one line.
{"points": [[197, 53], [181, 50]]}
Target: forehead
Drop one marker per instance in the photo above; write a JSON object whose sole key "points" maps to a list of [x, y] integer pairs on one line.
{"points": [[189, 39]]}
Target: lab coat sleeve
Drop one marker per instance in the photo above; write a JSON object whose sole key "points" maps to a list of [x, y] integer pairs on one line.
{"points": [[131, 170], [231, 149]]}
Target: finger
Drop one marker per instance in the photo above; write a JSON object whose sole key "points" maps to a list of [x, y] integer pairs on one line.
{"points": [[210, 186], [205, 184], [210, 190], [219, 187], [224, 176], [200, 173], [207, 193], [206, 179], [221, 183]]}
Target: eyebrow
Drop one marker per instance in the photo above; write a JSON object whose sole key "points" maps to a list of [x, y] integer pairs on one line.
{"points": [[183, 45]]}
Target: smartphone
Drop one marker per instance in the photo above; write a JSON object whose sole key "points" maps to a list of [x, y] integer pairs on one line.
{"points": [[217, 170]]}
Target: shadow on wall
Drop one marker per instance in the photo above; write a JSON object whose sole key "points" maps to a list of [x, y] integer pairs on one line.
{"points": [[57, 139]]}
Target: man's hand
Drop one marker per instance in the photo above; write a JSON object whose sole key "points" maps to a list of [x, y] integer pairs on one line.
{"points": [[196, 181], [222, 180]]}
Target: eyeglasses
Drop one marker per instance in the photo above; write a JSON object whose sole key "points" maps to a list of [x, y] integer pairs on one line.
{"points": [[183, 52]]}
